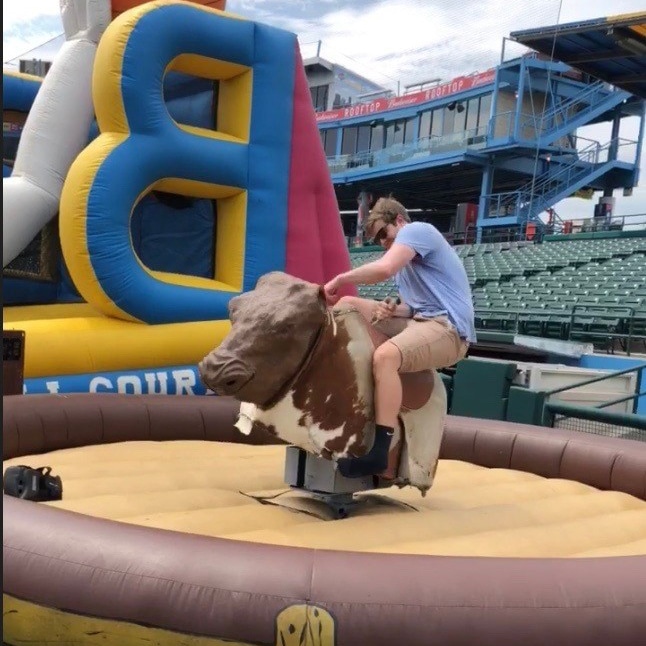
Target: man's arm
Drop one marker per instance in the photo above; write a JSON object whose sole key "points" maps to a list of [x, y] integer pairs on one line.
{"points": [[377, 271]]}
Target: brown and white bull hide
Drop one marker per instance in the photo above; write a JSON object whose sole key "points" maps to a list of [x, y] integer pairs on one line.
{"points": [[423, 431], [329, 410]]}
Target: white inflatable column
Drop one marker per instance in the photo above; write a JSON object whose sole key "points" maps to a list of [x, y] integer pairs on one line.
{"points": [[56, 129]]}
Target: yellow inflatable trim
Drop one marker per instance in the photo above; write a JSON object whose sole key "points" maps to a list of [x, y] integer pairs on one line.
{"points": [[75, 339], [22, 313], [25, 622]]}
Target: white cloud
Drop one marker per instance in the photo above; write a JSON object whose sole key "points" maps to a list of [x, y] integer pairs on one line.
{"points": [[27, 25], [18, 12], [389, 41], [412, 40]]}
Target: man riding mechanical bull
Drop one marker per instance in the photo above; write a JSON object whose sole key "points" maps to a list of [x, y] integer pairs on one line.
{"points": [[342, 377]]}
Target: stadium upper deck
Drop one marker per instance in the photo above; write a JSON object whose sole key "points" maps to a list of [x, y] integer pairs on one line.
{"points": [[503, 143], [612, 49]]}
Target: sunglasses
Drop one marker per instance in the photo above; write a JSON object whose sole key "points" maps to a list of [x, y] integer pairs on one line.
{"points": [[380, 235]]}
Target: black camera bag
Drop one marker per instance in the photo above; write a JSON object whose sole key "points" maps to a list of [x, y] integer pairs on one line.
{"points": [[32, 484]]}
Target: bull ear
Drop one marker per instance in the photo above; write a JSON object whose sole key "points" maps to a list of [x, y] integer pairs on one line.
{"points": [[321, 296], [233, 304]]}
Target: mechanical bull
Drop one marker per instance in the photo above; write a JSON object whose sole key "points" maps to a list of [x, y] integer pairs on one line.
{"points": [[303, 372]]}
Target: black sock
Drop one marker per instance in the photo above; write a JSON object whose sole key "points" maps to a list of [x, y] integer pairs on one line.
{"points": [[375, 461]]}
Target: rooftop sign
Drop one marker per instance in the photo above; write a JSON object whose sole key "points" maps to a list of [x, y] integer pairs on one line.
{"points": [[459, 84]]}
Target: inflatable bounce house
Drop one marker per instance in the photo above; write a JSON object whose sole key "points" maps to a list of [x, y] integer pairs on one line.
{"points": [[166, 164], [158, 174]]}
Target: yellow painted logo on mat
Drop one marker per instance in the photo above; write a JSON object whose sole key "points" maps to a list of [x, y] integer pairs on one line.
{"points": [[305, 625]]}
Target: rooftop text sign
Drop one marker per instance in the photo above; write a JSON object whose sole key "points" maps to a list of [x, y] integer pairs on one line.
{"points": [[459, 84]]}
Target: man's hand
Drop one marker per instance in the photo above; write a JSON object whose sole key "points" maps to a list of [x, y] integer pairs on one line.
{"points": [[385, 309], [331, 289]]}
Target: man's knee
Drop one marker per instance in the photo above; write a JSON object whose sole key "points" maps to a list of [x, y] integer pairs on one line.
{"points": [[364, 306], [387, 357], [348, 302], [353, 302]]}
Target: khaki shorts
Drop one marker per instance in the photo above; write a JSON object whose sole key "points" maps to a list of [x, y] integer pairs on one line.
{"points": [[424, 343]]}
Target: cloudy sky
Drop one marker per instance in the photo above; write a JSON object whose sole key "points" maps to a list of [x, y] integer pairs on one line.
{"points": [[390, 41]]}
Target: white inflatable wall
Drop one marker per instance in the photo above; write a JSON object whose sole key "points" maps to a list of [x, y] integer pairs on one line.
{"points": [[56, 129]]}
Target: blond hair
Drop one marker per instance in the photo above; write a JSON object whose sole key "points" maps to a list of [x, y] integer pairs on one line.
{"points": [[385, 209]]}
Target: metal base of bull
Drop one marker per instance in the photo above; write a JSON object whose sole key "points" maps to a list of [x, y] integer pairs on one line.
{"points": [[320, 479]]}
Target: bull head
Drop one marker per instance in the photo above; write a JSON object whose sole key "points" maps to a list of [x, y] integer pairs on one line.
{"points": [[273, 327]]}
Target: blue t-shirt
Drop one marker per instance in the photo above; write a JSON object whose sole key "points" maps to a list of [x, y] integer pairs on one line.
{"points": [[435, 282]]}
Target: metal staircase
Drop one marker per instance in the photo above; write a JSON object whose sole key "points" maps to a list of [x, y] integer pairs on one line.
{"points": [[567, 114], [570, 169], [541, 193]]}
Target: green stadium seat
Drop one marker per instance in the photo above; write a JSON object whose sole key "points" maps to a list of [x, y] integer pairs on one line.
{"points": [[622, 293], [508, 288], [558, 326], [532, 324], [637, 325], [588, 300]]}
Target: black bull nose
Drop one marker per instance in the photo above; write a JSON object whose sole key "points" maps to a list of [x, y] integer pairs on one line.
{"points": [[224, 375]]}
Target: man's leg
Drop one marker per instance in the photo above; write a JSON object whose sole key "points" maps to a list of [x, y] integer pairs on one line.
{"points": [[365, 306], [386, 360], [388, 385], [388, 391], [388, 401], [382, 458], [422, 345], [429, 345]]}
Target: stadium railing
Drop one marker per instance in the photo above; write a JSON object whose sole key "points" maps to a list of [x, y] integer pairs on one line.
{"points": [[595, 419]]}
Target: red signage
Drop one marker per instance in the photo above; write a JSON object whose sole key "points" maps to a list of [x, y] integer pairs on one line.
{"points": [[459, 84]]}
